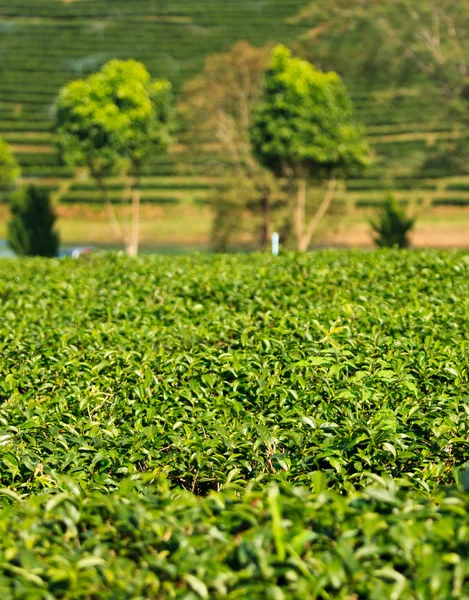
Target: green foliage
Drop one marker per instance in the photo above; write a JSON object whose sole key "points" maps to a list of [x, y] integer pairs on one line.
{"points": [[402, 36], [115, 114], [278, 389], [9, 169], [305, 125], [283, 542], [451, 202], [31, 227], [392, 225], [213, 368]]}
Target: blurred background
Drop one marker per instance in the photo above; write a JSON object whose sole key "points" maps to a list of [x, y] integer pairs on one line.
{"points": [[403, 64]]}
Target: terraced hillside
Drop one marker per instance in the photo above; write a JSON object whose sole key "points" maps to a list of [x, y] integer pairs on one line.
{"points": [[45, 43]]}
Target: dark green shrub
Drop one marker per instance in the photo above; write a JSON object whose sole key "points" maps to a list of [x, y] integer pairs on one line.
{"points": [[392, 225], [31, 228]]}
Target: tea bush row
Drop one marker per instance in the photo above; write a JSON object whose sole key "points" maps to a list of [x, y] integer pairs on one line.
{"points": [[235, 427], [210, 369], [280, 544]]}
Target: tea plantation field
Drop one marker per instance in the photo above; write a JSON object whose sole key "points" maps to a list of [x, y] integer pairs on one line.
{"points": [[235, 427], [47, 43]]}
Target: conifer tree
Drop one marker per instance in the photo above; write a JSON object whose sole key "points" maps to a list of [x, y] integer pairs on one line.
{"points": [[31, 228]]}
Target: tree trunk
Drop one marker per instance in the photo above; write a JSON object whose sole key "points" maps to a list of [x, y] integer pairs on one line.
{"points": [[299, 214], [132, 245], [127, 198], [320, 213], [111, 213]]}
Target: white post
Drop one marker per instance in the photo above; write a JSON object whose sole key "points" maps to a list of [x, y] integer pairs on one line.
{"points": [[275, 244]]}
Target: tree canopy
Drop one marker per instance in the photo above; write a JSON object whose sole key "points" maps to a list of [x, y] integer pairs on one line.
{"points": [[305, 125], [116, 113], [117, 118], [430, 34]]}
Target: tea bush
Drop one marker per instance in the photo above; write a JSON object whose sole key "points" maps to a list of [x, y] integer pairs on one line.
{"points": [[263, 397], [279, 544]]}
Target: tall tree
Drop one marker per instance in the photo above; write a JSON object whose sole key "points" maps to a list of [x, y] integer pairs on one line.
{"points": [[218, 107], [399, 43], [31, 228], [304, 130], [115, 121]]}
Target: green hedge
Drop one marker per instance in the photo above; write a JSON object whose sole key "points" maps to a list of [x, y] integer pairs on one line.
{"points": [[85, 199], [215, 368], [376, 202], [235, 426], [39, 159], [176, 185], [34, 171], [462, 186], [398, 184], [285, 544]]}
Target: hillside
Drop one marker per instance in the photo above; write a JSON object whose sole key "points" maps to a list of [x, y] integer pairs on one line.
{"points": [[45, 43]]}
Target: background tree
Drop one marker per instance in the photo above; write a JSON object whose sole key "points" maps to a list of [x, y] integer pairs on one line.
{"points": [[9, 169], [392, 45], [337, 41], [115, 121], [304, 130], [218, 109], [392, 225], [31, 228], [430, 34]]}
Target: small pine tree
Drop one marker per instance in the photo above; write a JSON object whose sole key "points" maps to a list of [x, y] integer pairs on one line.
{"points": [[392, 225], [31, 228]]}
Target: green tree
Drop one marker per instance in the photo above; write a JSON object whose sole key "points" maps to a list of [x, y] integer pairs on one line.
{"points": [[218, 108], [304, 130], [392, 225], [389, 46], [9, 169], [430, 34], [115, 121], [31, 228]]}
